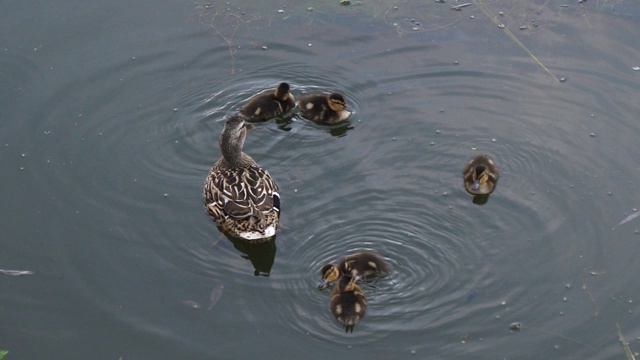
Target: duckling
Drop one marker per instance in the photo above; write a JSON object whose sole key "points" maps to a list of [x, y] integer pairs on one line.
{"points": [[348, 303], [269, 104], [239, 194], [359, 266], [324, 108], [480, 175]]}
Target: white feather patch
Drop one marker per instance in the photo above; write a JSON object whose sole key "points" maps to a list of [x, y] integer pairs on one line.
{"points": [[255, 235]]}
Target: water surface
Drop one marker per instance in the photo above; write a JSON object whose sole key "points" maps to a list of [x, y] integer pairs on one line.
{"points": [[109, 122]]}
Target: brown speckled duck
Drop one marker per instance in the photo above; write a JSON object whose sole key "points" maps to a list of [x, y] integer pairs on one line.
{"points": [[480, 175], [269, 103], [238, 194], [359, 266], [348, 303], [324, 108]]}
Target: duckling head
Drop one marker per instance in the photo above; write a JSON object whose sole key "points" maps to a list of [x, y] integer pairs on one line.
{"points": [[282, 91], [480, 176], [337, 102], [330, 273]]}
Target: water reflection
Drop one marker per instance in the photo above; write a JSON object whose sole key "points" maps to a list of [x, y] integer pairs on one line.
{"points": [[340, 130], [261, 255], [480, 199]]}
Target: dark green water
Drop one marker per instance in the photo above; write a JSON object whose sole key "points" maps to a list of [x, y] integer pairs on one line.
{"points": [[109, 119]]}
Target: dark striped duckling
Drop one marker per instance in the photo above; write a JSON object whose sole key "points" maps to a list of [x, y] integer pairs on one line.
{"points": [[324, 108], [348, 303], [269, 103], [359, 266], [480, 175]]}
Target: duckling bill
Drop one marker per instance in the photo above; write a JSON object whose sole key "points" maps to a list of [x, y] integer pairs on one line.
{"points": [[348, 303], [324, 108], [359, 266], [269, 104], [480, 175]]}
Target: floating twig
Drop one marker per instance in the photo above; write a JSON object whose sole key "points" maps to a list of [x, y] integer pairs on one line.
{"points": [[16, 272], [515, 39], [216, 294], [459, 7], [625, 345], [629, 218], [190, 303]]}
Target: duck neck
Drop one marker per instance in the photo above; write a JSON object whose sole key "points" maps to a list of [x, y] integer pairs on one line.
{"points": [[231, 149]]}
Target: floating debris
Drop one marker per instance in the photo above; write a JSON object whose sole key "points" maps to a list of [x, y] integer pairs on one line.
{"points": [[595, 273], [345, 2], [216, 294], [515, 326], [459, 7], [636, 68], [629, 218], [524, 27], [563, 79], [625, 344], [592, 134], [501, 26], [190, 303], [281, 11], [16, 272]]}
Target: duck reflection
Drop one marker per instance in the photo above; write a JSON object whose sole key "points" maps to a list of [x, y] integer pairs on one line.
{"points": [[480, 199], [261, 254], [340, 130]]}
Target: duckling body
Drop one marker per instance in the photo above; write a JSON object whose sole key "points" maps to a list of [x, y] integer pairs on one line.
{"points": [[239, 194], [359, 266], [480, 175], [348, 303], [324, 108], [269, 103]]}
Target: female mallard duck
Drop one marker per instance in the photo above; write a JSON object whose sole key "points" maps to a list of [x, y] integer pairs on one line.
{"points": [[359, 266], [480, 175], [348, 303], [324, 108], [238, 194], [269, 104]]}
